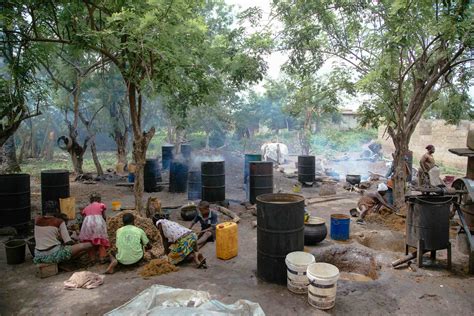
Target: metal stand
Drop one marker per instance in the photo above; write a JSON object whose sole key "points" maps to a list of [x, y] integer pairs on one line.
{"points": [[465, 227], [421, 251]]}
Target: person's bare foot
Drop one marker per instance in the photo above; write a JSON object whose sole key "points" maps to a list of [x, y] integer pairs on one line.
{"points": [[111, 267]]}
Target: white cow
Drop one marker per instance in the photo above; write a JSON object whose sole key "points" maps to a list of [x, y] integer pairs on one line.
{"points": [[277, 152]]}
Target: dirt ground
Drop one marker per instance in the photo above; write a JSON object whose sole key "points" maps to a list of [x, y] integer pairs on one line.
{"points": [[427, 291]]}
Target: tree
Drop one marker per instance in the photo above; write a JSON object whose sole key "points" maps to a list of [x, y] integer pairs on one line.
{"points": [[8, 161], [311, 100], [161, 47], [274, 100], [21, 92], [68, 71], [403, 53]]}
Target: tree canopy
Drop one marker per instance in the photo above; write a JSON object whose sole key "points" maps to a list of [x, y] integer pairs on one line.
{"points": [[402, 53]]}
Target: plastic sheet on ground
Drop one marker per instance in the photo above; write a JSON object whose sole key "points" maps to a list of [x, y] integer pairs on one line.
{"points": [[165, 300]]}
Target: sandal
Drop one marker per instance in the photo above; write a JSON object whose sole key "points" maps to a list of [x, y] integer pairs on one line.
{"points": [[202, 264], [360, 221]]}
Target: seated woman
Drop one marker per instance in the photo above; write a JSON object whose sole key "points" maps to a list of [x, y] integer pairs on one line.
{"points": [[208, 221], [48, 229], [130, 242], [180, 243]]}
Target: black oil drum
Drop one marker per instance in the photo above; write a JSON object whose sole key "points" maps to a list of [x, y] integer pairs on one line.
{"points": [[213, 181], [158, 177], [186, 151], [428, 220], [280, 230], [54, 186], [15, 205], [260, 180], [178, 177], [194, 185], [306, 169], [166, 156], [150, 175]]}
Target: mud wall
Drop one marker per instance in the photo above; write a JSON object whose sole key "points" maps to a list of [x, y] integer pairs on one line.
{"points": [[437, 133]]}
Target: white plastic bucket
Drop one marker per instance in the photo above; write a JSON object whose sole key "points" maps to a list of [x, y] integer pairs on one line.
{"points": [[322, 285], [296, 265]]}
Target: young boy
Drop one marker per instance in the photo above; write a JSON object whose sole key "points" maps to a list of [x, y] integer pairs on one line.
{"points": [[130, 242], [208, 221]]}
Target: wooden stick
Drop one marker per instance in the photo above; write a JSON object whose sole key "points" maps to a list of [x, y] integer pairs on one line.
{"points": [[403, 260], [229, 213], [321, 200]]}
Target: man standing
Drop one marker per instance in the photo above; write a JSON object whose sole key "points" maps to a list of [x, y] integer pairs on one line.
{"points": [[427, 163]]}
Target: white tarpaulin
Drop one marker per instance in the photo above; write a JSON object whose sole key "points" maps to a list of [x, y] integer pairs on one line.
{"points": [[165, 300]]}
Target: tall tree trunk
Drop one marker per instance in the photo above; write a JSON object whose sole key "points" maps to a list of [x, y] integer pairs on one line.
{"points": [[8, 162], [401, 142], [121, 141], [98, 166], [32, 141], [25, 144], [207, 140], [77, 158], [44, 143], [49, 149], [141, 141]]}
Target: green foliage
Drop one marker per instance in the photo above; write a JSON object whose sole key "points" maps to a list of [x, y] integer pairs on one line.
{"points": [[392, 47], [452, 105], [403, 53], [21, 91], [330, 140]]}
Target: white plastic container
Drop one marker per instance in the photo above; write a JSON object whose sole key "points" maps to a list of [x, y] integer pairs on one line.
{"points": [[322, 285], [296, 265]]}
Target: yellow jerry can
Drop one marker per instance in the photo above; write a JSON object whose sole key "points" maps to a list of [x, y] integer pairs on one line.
{"points": [[227, 240], [68, 207]]}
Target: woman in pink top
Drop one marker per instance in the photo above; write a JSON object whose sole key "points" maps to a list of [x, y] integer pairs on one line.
{"points": [[94, 227]]}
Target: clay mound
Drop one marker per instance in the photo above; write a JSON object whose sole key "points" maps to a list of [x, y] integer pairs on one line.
{"points": [[349, 259], [115, 222]]}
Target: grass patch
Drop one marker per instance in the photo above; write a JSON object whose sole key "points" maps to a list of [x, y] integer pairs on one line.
{"points": [[62, 160]]}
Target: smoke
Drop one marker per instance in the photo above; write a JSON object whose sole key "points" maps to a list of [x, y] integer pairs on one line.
{"points": [[196, 160]]}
